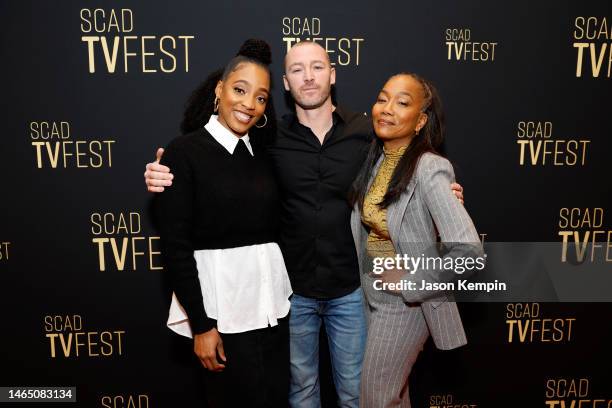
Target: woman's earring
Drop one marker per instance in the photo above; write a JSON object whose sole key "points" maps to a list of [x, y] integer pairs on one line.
{"points": [[216, 105], [265, 122]]}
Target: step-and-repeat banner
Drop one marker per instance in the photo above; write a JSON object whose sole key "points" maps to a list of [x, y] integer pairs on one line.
{"points": [[91, 89]]}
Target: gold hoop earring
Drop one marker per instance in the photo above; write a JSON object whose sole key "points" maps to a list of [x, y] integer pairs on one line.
{"points": [[216, 105], [265, 122]]}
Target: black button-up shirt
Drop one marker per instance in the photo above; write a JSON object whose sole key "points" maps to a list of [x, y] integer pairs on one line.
{"points": [[314, 180]]}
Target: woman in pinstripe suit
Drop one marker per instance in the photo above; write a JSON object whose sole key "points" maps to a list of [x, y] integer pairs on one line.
{"points": [[401, 202]]}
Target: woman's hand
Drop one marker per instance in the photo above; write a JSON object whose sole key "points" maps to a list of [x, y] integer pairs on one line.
{"points": [[390, 279], [206, 345]]}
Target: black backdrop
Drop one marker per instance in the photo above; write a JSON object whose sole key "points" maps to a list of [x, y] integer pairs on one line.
{"points": [[61, 180]]}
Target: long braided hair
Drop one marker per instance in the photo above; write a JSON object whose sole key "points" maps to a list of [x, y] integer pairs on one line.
{"points": [[429, 139]]}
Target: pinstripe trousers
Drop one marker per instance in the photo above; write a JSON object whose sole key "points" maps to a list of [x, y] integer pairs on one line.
{"points": [[396, 335]]}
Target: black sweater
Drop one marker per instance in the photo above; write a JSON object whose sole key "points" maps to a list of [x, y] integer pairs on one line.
{"points": [[216, 201]]}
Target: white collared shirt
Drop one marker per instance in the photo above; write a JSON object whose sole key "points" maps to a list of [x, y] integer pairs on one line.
{"points": [[244, 288], [224, 136]]}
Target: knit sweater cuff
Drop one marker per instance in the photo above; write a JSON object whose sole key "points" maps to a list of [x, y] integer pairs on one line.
{"points": [[199, 321]]}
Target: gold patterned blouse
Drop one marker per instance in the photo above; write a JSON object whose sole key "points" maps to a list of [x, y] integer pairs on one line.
{"points": [[379, 241]]}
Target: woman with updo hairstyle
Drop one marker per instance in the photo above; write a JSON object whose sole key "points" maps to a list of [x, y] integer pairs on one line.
{"points": [[219, 231], [401, 203]]}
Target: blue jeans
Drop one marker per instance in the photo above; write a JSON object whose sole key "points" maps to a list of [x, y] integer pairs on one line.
{"points": [[345, 324]]}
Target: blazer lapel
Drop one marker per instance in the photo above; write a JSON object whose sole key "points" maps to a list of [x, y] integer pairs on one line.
{"points": [[357, 228], [395, 212], [358, 231]]}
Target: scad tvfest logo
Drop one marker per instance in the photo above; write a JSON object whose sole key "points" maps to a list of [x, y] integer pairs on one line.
{"points": [[527, 324], [67, 338], [342, 49], [592, 42], [584, 237], [54, 147], [461, 47], [121, 244], [112, 46], [537, 147], [125, 401], [449, 401], [573, 393]]}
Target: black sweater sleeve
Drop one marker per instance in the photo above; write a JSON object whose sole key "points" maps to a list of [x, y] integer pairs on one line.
{"points": [[175, 215]]}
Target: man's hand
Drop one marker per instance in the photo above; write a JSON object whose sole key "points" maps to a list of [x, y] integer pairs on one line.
{"points": [[206, 345], [457, 190], [157, 176]]}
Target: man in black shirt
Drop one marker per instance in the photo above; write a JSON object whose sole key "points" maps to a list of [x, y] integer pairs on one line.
{"points": [[314, 178], [317, 154]]}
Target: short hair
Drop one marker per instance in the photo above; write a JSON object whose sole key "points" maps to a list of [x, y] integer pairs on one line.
{"points": [[302, 43]]}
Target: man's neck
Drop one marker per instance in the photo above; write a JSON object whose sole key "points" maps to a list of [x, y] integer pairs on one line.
{"points": [[319, 120]]}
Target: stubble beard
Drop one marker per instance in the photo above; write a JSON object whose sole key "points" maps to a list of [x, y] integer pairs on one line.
{"points": [[299, 101]]}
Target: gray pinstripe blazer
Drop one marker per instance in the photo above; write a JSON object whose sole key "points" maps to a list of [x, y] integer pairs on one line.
{"points": [[428, 203]]}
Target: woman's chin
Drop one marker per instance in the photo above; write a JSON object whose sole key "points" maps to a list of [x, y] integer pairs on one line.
{"points": [[239, 129], [383, 134]]}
